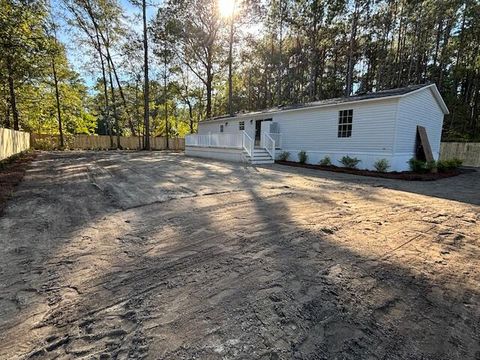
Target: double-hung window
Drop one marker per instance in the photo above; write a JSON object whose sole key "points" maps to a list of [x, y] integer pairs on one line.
{"points": [[345, 118], [241, 125]]}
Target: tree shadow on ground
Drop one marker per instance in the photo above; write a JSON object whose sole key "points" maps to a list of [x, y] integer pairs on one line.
{"points": [[463, 188], [257, 273]]}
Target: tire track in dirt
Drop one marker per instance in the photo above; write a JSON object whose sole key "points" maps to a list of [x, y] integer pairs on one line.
{"points": [[292, 268]]}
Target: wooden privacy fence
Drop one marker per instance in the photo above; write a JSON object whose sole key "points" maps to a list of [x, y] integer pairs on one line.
{"points": [[468, 152], [102, 142], [13, 142]]}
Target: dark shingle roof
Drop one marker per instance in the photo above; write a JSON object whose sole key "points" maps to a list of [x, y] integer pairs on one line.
{"points": [[367, 96]]}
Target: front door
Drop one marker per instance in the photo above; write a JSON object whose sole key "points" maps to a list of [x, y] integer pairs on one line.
{"points": [[258, 131]]}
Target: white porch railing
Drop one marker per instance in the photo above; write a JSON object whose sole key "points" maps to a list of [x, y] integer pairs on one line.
{"points": [[277, 137], [269, 144], [215, 140], [235, 141], [248, 143]]}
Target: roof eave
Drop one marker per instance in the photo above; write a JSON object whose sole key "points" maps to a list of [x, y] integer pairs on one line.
{"points": [[247, 115], [439, 98]]}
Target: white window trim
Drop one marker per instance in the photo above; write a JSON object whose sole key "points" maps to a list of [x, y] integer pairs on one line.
{"points": [[342, 127]]}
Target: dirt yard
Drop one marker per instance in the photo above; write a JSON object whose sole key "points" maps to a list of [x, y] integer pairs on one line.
{"points": [[154, 255]]}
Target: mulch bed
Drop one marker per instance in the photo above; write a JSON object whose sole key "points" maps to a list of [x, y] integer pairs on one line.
{"points": [[404, 175], [12, 171]]}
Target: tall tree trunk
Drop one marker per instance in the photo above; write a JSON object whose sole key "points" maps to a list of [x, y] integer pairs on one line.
{"points": [[7, 105], [112, 90], [351, 51], [114, 106], [190, 116], [13, 99], [209, 90], [57, 99], [280, 56], [122, 95], [165, 64], [137, 113], [146, 91], [230, 61], [437, 41], [7, 115], [98, 46]]}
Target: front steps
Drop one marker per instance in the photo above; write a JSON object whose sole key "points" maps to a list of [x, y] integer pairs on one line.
{"points": [[259, 156]]}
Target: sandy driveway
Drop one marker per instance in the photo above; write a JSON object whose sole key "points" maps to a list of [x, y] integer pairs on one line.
{"points": [[133, 255]]}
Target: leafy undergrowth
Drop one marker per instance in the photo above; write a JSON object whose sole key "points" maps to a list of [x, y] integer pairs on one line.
{"points": [[404, 175], [12, 171]]}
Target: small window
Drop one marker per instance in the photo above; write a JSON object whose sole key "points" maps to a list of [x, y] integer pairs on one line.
{"points": [[221, 128], [241, 125], [345, 118]]}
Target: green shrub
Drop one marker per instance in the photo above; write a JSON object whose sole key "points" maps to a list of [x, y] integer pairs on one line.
{"points": [[448, 165], [417, 166], [302, 157], [326, 161], [68, 141], [431, 166], [382, 165], [45, 144], [349, 162], [456, 162], [443, 166], [284, 156], [420, 166]]}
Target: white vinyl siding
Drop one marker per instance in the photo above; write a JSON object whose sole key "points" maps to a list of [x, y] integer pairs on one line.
{"points": [[420, 108], [317, 129], [230, 126]]}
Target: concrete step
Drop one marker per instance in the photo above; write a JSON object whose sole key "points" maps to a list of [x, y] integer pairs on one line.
{"points": [[259, 156], [260, 151], [259, 162]]}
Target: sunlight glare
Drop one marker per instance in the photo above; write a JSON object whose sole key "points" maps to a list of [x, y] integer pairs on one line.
{"points": [[227, 7]]}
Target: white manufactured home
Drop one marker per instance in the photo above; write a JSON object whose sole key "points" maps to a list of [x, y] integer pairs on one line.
{"points": [[370, 127]]}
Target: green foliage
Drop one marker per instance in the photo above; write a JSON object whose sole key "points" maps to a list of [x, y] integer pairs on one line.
{"points": [[420, 166], [326, 161], [448, 165], [382, 165], [302, 157], [417, 166], [431, 166], [46, 144], [350, 162], [284, 155], [311, 63]]}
